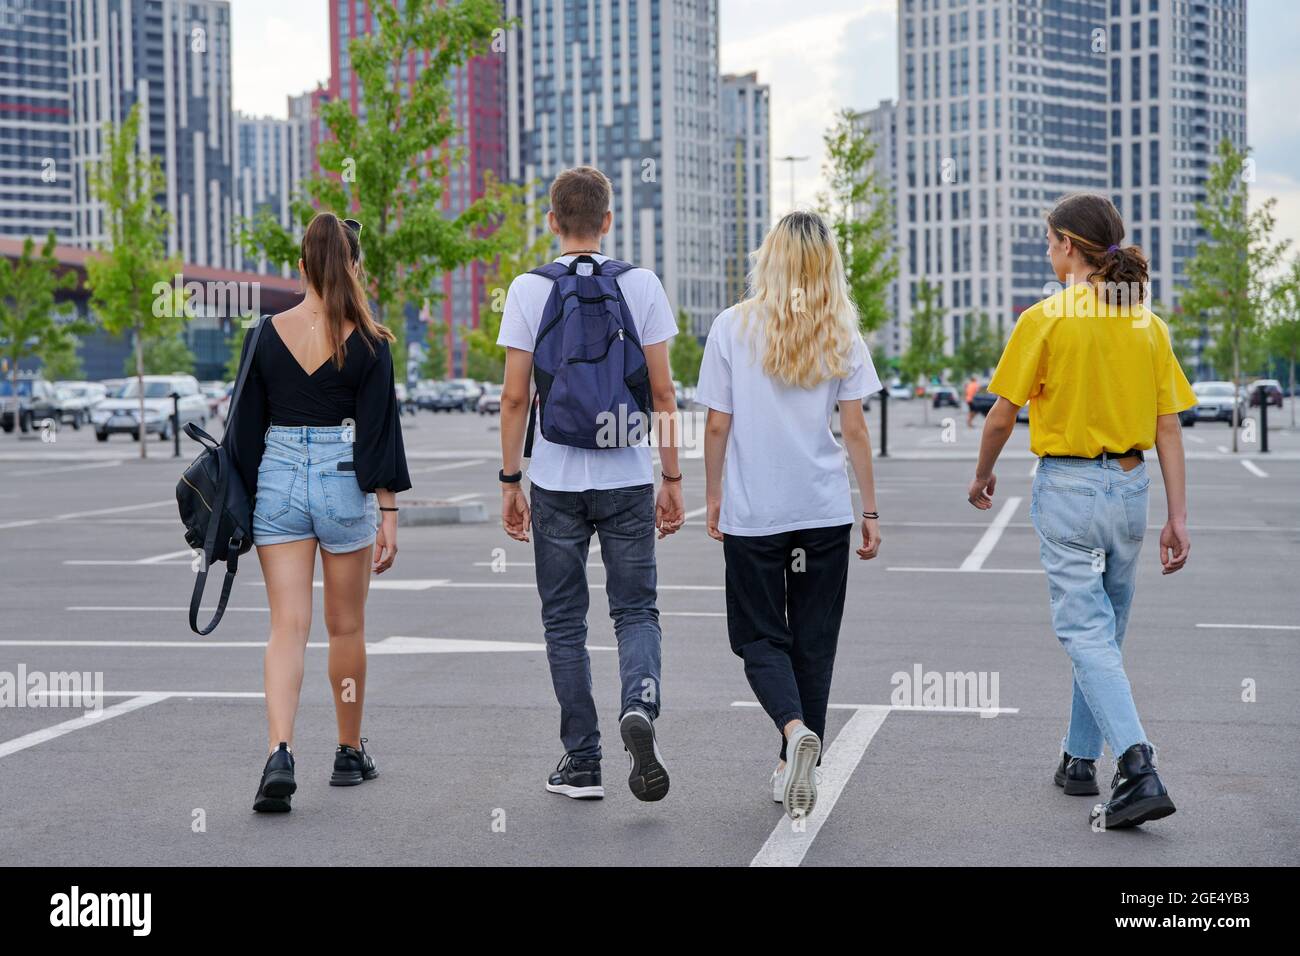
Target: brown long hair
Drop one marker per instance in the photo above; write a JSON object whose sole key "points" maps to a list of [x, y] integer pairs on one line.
{"points": [[331, 263], [1096, 228]]}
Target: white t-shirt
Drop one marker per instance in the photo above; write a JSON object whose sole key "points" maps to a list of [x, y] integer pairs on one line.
{"points": [[563, 467], [784, 469]]}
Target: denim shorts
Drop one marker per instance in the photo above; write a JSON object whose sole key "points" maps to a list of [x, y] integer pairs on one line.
{"points": [[307, 488]]}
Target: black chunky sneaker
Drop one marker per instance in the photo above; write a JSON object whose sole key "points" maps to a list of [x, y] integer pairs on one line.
{"points": [[647, 776], [352, 766], [1136, 793], [1078, 776], [577, 778], [277, 784]]}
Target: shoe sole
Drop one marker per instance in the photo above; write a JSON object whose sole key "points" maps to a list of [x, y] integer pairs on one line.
{"points": [[801, 785], [1076, 788], [351, 778], [275, 794], [577, 793], [648, 778], [1152, 808]]}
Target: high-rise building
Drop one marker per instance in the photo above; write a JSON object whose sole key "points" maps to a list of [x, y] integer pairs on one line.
{"points": [[630, 86], [268, 170], [477, 99], [35, 141], [880, 126], [173, 58], [1007, 105], [746, 176]]}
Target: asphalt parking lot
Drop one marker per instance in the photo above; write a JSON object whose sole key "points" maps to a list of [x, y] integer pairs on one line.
{"points": [[95, 578]]}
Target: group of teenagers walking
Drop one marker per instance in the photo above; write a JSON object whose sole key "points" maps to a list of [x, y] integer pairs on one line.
{"points": [[317, 440]]}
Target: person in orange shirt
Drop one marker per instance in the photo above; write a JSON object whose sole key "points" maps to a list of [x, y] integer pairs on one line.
{"points": [[1106, 387], [972, 389]]}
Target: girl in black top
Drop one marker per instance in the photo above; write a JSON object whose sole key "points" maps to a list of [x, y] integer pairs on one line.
{"points": [[317, 441]]}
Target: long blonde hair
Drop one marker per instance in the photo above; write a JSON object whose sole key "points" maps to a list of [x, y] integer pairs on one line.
{"points": [[800, 296]]}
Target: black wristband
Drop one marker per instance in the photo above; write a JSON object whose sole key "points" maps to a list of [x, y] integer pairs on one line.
{"points": [[677, 477], [382, 508], [873, 515], [509, 479]]}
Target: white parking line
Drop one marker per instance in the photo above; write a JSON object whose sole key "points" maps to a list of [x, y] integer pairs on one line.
{"points": [[456, 499], [975, 560], [448, 467], [1194, 438], [791, 840], [50, 471], [135, 702], [1253, 468], [1255, 627], [168, 558], [920, 570]]}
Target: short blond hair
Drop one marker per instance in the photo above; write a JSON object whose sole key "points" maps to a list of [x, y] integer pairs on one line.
{"points": [[580, 197]]}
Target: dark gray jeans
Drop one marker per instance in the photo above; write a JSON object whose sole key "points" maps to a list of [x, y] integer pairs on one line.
{"points": [[624, 522]]}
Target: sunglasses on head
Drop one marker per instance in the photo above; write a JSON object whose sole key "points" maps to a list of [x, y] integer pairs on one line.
{"points": [[354, 225]]}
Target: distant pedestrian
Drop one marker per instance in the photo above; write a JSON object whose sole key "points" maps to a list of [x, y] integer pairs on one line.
{"points": [[775, 368], [1106, 387], [972, 389]]}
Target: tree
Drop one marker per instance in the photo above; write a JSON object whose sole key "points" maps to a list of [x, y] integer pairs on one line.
{"points": [[1228, 275], [924, 357], [685, 354], [125, 279], [858, 208], [167, 354], [436, 353], [523, 244], [387, 164], [1284, 326], [59, 359], [28, 325], [979, 349]]}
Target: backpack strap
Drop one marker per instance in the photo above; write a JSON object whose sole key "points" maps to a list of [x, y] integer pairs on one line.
{"points": [[256, 333], [209, 548], [552, 270]]}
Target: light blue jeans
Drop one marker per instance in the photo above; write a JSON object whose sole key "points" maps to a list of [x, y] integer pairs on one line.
{"points": [[1091, 517]]}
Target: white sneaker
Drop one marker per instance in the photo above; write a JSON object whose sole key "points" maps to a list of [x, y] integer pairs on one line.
{"points": [[778, 782], [799, 782]]}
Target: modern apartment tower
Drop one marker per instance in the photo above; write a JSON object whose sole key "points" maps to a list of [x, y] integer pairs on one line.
{"points": [[631, 86], [35, 140], [269, 167], [1008, 104], [746, 176], [880, 124], [173, 58]]}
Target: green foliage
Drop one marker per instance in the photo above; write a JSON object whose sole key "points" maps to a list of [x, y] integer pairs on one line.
{"points": [[436, 352], [857, 207], [1283, 335], [28, 323], [386, 164], [59, 358], [167, 355], [685, 354], [979, 349], [924, 358]]}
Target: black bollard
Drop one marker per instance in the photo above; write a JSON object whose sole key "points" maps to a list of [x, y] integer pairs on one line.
{"points": [[1263, 419], [884, 422], [176, 425]]}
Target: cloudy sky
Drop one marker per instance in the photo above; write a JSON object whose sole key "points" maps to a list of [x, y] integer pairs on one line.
{"points": [[816, 63]]}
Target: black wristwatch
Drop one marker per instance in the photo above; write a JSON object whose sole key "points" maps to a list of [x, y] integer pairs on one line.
{"points": [[509, 479]]}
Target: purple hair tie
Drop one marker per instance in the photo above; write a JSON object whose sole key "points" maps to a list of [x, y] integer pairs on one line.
{"points": [[1113, 249]]}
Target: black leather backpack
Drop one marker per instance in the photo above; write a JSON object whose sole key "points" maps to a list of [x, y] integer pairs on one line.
{"points": [[215, 508]]}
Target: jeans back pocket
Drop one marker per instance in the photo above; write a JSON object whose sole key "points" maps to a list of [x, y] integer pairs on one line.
{"points": [[345, 502], [1063, 513], [274, 490], [1135, 510]]}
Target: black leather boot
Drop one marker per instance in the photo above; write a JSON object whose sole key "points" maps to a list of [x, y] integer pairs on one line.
{"points": [[1136, 793], [1078, 776]]}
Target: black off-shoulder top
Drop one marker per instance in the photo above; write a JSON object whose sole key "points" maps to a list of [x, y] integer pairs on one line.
{"points": [[279, 391]]}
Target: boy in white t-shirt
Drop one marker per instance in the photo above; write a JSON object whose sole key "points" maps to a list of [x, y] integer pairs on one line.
{"points": [[578, 490]]}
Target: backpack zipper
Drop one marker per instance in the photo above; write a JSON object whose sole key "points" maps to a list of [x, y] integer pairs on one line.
{"points": [[600, 358]]}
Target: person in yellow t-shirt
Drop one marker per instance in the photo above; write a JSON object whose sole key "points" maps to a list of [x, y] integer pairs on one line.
{"points": [[1105, 387]]}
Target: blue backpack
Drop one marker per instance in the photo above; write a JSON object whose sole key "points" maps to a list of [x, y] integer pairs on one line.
{"points": [[591, 373]]}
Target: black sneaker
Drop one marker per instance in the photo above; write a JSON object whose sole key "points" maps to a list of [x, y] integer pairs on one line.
{"points": [[579, 779], [1077, 776], [647, 776], [277, 784], [1136, 793], [352, 766]]}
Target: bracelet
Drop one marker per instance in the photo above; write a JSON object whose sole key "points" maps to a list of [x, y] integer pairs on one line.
{"points": [[509, 479], [382, 508], [873, 515], [678, 477]]}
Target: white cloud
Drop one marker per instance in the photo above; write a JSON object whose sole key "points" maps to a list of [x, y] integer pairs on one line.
{"points": [[277, 50]]}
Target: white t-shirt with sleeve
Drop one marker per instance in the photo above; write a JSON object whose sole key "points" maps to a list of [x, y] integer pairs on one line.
{"points": [[564, 467], [784, 469]]}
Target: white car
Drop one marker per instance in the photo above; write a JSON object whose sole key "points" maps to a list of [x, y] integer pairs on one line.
{"points": [[120, 414], [489, 403]]}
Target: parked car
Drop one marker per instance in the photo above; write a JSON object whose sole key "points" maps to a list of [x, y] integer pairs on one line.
{"points": [[984, 401], [942, 395], [1023, 414], [489, 403], [121, 414], [466, 391], [90, 393], [1215, 402], [441, 397], [899, 390], [1272, 389], [214, 392], [37, 400]]}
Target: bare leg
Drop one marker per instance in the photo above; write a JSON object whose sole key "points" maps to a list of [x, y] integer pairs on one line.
{"points": [[288, 570], [347, 582]]}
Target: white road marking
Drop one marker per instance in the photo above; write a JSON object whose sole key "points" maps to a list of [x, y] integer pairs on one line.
{"points": [[982, 711], [1255, 627], [448, 467], [161, 607], [456, 499], [968, 570], [72, 515], [168, 558], [1253, 468], [135, 702], [975, 560], [1223, 450], [50, 471], [791, 840], [1194, 438], [446, 645], [1033, 469], [388, 584], [692, 613]]}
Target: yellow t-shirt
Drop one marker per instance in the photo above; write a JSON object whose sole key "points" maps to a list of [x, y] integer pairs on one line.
{"points": [[1097, 375]]}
